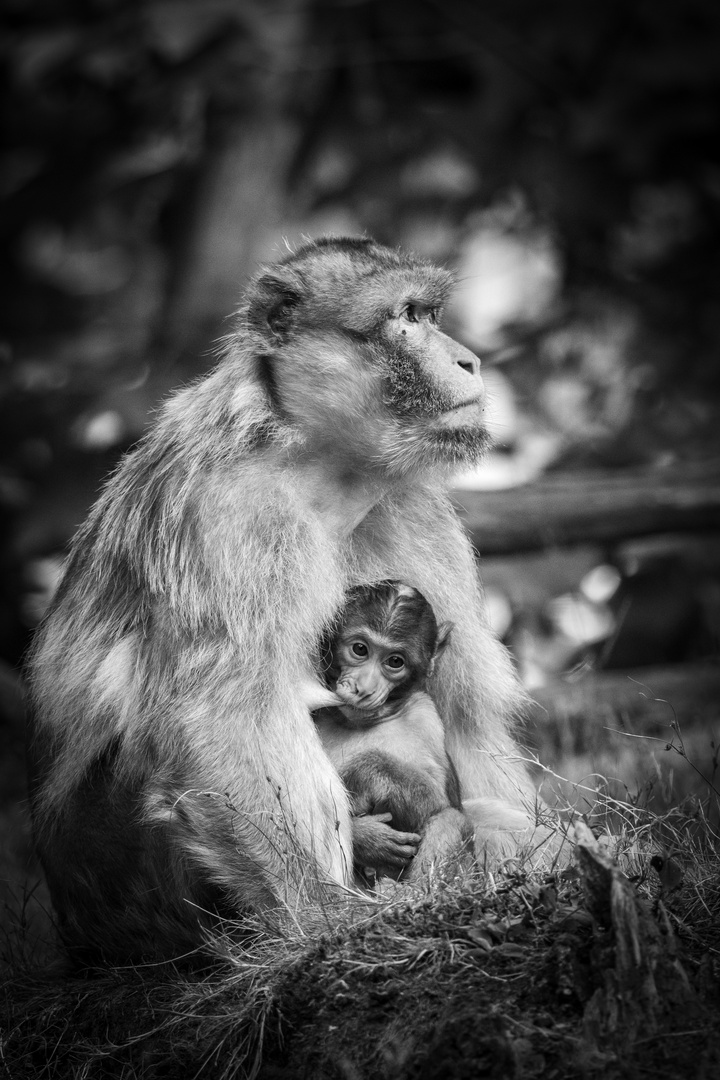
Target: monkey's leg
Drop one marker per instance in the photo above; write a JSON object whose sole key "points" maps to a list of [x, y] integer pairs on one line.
{"points": [[447, 844], [162, 836], [269, 813]]}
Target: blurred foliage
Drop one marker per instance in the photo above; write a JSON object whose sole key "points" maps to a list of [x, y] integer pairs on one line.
{"points": [[154, 150]]}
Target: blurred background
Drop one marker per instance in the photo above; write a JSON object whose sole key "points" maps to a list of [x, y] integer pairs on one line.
{"points": [[563, 158]]}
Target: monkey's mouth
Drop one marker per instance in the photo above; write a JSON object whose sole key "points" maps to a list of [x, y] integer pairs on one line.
{"points": [[461, 420], [355, 699], [361, 702], [477, 402]]}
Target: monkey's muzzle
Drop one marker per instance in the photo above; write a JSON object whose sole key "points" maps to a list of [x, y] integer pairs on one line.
{"points": [[352, 693]]}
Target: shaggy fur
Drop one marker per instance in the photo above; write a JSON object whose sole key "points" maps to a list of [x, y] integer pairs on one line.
{"points": [[176, 771]]}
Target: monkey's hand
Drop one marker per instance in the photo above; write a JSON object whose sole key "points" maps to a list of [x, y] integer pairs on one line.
{"points": [[381, 847]]}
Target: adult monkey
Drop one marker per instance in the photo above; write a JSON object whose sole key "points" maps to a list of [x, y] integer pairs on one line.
{"points": [[176, 771]]}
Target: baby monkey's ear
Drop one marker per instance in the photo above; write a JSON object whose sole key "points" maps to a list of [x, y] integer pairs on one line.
{"points": [[444, 631]]}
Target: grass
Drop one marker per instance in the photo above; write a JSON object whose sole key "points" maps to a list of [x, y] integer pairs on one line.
{"points": [[510, 971], [503, 973]]}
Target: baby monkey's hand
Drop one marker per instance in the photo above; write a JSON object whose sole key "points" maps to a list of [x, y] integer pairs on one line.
{"points": [[376, 844]]}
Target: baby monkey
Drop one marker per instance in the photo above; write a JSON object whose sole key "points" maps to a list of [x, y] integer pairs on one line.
{"points": [[386, 738]]}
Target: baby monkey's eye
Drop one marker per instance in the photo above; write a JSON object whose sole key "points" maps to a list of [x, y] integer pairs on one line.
{"points": [[359, 648], [395, 662]]}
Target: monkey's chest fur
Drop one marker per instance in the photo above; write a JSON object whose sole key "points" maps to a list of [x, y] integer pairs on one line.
{"points": [[398, 765]]}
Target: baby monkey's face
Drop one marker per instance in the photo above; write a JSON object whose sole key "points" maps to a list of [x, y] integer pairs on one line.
{"points": [[369, 668]]}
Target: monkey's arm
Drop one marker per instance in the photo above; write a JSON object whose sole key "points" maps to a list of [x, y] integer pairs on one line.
{"points": [[378, 845], [416, 536]]}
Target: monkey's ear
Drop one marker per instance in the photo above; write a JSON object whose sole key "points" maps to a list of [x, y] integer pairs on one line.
{"points": [[280, 316], [444, 631], [272, 308]]}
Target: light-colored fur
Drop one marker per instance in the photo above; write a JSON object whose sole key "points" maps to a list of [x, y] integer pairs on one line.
{"points": [[173, 751], [413, 733]]}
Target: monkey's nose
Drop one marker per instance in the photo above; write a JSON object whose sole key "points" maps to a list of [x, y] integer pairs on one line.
{"points": [[347, 688], [462, 357], [469, 362]]}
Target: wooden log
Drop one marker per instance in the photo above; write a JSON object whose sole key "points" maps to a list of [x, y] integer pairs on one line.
{"points": [[603, 506]]}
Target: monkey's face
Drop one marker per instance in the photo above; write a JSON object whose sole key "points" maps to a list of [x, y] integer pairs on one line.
{"points": [[371, 674], [358, 362], [429, 377]]}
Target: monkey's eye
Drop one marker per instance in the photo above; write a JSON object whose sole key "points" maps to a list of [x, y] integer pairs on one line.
{"points": [[396, 663], [412, 313], [359, 648], [415, 313]]}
